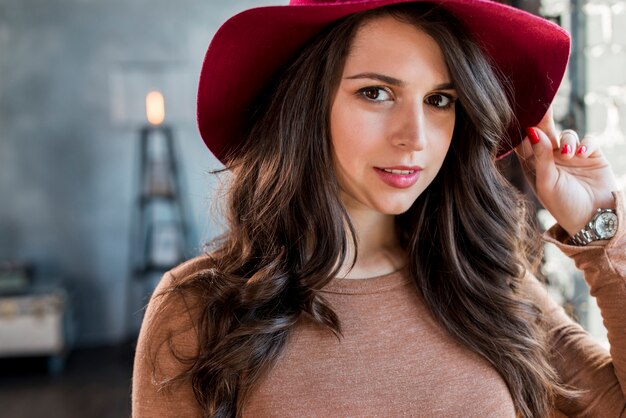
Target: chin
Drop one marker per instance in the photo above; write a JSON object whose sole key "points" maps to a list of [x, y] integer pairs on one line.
{"points": [[397, 208]]}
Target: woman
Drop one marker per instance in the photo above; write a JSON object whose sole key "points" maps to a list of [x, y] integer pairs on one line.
{"points": [[376, 262]]}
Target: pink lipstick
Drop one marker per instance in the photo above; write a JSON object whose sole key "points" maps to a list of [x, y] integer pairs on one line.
{"points": [[400, 176]]}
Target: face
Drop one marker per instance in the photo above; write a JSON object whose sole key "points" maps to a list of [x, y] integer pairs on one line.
{"points": [[392, 117]]}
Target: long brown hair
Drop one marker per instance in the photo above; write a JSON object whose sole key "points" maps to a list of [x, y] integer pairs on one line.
{"points": [[467, 236]]}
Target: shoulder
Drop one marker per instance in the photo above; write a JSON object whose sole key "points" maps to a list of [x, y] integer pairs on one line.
{"points": [[186, 269], [173, 310], [168, 346], [169, 296]]}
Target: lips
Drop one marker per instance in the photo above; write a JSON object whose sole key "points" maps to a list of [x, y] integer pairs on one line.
{"points": [[399, 177]]}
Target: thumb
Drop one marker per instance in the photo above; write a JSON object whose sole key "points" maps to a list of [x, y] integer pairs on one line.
{"points": [[543, 155]]}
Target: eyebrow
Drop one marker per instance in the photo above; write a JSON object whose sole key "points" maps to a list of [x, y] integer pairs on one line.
{"points": [[394, 81]]}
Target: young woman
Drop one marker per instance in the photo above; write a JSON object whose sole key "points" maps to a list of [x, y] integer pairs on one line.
{"points": [[376, 262]]}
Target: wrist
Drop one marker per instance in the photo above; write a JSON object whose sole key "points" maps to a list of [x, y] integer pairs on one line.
{"points": [[574, 226], [599, 229]]}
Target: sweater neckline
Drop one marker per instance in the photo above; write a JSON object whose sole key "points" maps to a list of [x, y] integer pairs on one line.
{"points": [[376, 284]]}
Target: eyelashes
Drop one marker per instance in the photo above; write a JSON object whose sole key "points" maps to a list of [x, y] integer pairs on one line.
{"points": [[447, 100], [381, 94], [372, 93]]}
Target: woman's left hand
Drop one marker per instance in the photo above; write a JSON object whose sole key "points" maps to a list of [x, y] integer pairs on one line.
{"points": [[571, 178]]}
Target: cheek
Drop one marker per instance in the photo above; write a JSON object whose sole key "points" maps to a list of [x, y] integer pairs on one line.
{"points": [[441, 137], [350, 133], [346, 129], [353, 128], [341, 136]]}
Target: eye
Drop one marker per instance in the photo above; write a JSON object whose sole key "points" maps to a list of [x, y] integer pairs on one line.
{"points": [[375, 94], [441, 101]]}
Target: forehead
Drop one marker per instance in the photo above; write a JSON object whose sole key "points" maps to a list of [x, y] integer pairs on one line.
{"points": [[387, 44]]}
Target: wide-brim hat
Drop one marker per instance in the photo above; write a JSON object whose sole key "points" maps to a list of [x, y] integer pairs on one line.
{"points": [[247, 50]]}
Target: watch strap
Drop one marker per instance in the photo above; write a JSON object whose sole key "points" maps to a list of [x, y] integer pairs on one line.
{"points": [[588, 234], [584, 236]]}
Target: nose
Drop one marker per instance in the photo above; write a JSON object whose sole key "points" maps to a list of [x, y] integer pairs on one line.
{"points": [[410, 129]]}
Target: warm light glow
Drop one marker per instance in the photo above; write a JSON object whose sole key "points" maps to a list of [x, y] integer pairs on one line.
{"points": [[155, 107]]}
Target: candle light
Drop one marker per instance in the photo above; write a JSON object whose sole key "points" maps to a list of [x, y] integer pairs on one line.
{"points": [[155, 107]]}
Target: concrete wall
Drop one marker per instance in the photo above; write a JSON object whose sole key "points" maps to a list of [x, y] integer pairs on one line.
{"points": [[66, 168]]}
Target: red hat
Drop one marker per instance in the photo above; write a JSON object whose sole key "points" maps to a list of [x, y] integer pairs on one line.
{"points": [[250, 47]]}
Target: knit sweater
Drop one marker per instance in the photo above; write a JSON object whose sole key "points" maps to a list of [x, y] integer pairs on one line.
{"points": [[395, 360]]}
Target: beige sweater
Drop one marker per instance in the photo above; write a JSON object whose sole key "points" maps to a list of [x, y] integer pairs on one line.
{"points": [[394, 360]]}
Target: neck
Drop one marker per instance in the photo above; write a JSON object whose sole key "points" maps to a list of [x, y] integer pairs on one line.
{"points": [[379, 250]]}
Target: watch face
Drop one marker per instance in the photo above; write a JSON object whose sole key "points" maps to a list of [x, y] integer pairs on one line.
{"points": [[606, 225]]}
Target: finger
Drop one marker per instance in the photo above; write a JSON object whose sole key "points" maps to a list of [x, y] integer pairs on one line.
{"points": [[526, 158], [549, 128], [568, 141], [586, 147], [545, 169], [524, 150]]}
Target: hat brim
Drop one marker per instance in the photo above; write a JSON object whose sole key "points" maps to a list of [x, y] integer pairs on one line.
{"points": [[530, 52]]}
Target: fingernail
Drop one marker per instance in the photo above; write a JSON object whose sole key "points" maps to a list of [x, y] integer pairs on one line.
{"points": [[567, 149], [581, 150], [532, 135]]}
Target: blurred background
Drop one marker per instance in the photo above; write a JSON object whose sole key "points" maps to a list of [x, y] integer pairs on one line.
{"points": [[105, 184]]}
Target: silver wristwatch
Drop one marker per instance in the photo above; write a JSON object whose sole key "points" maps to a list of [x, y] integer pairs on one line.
{"points": [[603, 225]]}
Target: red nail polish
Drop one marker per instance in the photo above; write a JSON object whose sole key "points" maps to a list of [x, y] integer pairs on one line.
{"points": [[532, 135], [581, 150], [567, 149]]}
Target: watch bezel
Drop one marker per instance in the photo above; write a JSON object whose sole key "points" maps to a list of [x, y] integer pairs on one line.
{"points": [[601, 218]]}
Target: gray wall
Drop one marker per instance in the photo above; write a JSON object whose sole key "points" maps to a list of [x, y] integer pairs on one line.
{"points": [[66, 169]]}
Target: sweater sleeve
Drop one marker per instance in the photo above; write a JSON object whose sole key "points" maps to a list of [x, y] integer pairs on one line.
{"points": [[155, 359], [580, 361]]}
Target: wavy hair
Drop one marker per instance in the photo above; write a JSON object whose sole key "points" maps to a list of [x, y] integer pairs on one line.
{"points": [[468, 236]]}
